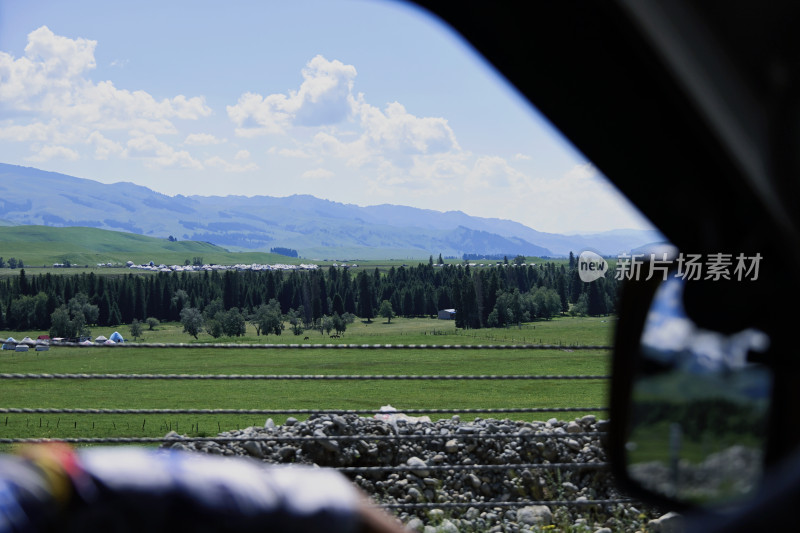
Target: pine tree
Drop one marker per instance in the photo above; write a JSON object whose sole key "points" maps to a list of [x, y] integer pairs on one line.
{"points": [[23, 283], [597, 304], [365, 296], [338, 304], [114, 317]]}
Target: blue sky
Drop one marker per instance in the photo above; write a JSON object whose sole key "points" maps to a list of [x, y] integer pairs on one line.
{"points": [[362, 102]]}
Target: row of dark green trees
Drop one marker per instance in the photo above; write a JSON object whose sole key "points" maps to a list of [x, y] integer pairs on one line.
{"points": [[504, 295]]}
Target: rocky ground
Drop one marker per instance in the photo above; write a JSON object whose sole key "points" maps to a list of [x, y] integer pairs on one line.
{"points": [[434, 483]]}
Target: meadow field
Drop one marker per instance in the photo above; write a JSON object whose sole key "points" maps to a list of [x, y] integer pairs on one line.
{"points": [[564, 332], [39, 247]]}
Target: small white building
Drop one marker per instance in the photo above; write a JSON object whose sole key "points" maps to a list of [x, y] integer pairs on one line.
{"points": [[447, 314]]}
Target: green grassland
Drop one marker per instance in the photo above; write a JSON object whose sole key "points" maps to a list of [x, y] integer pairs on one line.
{"points": [[303, 394], [42, 245]]}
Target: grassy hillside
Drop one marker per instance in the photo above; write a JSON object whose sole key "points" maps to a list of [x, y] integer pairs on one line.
{"points": [[40, 246], [43, 245]]}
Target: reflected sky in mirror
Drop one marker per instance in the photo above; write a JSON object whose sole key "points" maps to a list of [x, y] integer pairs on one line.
{"points": [[671, 338]]}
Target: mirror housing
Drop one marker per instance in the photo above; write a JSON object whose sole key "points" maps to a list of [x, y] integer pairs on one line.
{"points": [[689, 406]]}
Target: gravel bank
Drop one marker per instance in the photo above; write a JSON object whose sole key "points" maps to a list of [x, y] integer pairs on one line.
{"points": [[437, 469]]}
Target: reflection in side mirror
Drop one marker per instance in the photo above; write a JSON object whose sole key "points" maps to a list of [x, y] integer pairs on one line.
{"points": [[699, 407]]}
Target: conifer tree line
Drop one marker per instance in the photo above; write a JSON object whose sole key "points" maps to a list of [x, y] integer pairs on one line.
{"points": [[500, 296]]}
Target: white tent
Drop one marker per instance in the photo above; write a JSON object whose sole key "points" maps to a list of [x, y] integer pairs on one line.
{"points": [[100, 339], [10, 343]]}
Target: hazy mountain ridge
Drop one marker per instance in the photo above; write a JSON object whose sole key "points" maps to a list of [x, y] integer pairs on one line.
{"points": [[314, 227]]}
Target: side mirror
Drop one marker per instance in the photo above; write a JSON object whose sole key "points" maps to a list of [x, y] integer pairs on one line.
{"points": [[689, 406]]}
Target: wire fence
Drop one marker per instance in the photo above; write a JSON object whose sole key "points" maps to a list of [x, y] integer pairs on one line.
{"points": [[304, 346], [269, 412], [392, 436], [289, 377], [273, 438]]}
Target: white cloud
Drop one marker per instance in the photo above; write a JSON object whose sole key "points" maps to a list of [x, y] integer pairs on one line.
{"points": [[113, 108], [443, 173], [174, 158], [50, 62], [522, 157], [50, 81], [324, 98], [202, 139], [30, 132], [157, 154], [397, 135], [319, 173], [354, 153], [391, 142], [256, 115], [54, 152], [220, 163], [54, 101], [672, 333], [104, 147], [579, 201], [492, 172], [295, 153], [389, 138], [582, 172], [241, 155]]}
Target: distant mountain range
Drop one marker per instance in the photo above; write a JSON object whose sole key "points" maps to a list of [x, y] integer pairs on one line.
{"points": [[315, 228]]}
